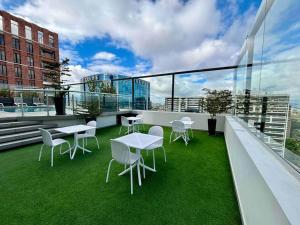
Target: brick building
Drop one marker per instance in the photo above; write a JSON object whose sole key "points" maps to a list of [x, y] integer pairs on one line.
{"points": [[25, 49]]}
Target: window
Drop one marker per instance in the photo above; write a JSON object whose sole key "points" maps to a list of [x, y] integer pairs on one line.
{"points": [[40, 37], [31, 83], [14, 27], [18, 72], [1, 39], [19, 83], [31, 74], [30, 60], [28, 33], [29, 47], [15, 43], [3, 70], [2, 54], [17, 58], [3, 82], [1, 23], [51, 41]]}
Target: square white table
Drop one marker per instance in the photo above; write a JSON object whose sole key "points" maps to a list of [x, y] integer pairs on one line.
{"points": [[133, 119], [139, 141], [75, 130]]}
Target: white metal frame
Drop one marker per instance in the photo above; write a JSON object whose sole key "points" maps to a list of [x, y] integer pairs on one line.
{"points": [[125, 123]]}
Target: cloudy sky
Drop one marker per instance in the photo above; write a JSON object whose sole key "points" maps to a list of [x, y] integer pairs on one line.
{"points": [[143, 37]]}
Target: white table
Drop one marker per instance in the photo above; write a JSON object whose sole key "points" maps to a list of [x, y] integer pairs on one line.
{"points": [[133, 119], [139, 141], [75, 130]]}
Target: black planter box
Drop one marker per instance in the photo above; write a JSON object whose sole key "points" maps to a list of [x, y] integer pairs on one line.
{"points": [[212, 126]]}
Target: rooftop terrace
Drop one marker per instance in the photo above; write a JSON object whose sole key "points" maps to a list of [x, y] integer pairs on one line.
{"points": [[194, 187]]}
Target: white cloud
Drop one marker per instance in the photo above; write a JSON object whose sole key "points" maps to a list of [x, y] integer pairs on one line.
{"points": [[172, 34], [107, 56]]}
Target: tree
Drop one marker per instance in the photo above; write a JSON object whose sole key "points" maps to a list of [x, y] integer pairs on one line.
{"points": [[217, 101], [56, 71]]}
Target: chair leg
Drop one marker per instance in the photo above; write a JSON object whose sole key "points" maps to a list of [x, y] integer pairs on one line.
{"points": [[60, 149], [52, 152], [192, 132], [131, 180], [171, 136], [139, 172], [41, 152], [120, 130], [97, 142], [153, 154], [83, 145], [144, 174], [108, 170], [164, 153], [70, 150]]}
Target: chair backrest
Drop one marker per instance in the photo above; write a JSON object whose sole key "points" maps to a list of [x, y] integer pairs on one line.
{"points": [[92, 132], [124, 121], [47, 138], [157, 131], [120, 151], [186, 118], [178, 126]]}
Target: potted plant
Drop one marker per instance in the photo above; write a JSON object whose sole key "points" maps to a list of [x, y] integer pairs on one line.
{"points": [[216, 102], [55, 72], [90, 105]]}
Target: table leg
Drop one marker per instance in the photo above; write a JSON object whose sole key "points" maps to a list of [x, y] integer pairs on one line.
{"points": [[76, 145]]}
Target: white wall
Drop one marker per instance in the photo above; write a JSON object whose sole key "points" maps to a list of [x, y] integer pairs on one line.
{"points": [[268, 190], [163, 119]]}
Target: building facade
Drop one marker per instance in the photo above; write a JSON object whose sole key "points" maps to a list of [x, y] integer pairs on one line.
{"points": [[185, 104], [123, 89], [25, 50]]}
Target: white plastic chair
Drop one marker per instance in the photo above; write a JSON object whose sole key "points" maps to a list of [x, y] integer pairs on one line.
{"points": [[125, 123], [89, 134], [52, 143], [179, 130], [156, 131], [121, 153], [139, 122], [188, 127]]}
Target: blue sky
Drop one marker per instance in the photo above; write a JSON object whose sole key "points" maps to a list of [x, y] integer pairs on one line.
{"points": [[140, 37]]}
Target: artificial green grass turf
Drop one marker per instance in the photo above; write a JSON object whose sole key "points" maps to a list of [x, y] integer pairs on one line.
{"points": [[194, 186]]}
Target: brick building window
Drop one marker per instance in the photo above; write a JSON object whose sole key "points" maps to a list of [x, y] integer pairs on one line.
{"points": [[18, 72], [51, 41], [3, 70], [14, 27], [40, 37], [16, 43], [31, 83], [2, 54], [2, 39], [28, 33], [17, 58], [3, 82], [31, 74], [30, 60], [19, 83], [29, 47], [1, 23]]}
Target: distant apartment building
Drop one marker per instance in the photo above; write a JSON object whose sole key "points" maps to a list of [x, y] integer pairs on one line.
{"points": [[124, 89], [185, 104], [273, 110], [25, 50]]}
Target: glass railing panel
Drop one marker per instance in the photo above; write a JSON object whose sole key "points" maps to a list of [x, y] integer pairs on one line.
{"points": [[189, 93]]}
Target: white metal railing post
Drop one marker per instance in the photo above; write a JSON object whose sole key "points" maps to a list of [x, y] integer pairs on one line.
{"points": [[22, 109], [73, 107]]}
